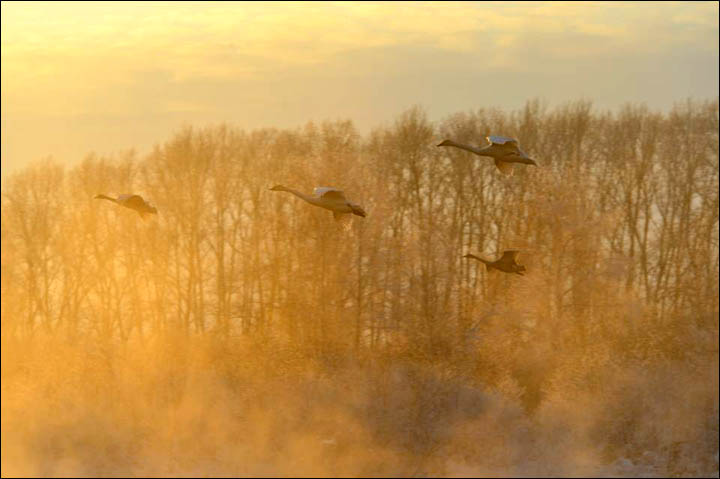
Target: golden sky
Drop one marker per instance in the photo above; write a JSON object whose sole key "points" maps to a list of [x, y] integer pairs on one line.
{"points": [[84, 76]]}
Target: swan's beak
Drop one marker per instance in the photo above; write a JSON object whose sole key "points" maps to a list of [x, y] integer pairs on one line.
{"points": [[357, 210], [527, 160], [445, 143]]}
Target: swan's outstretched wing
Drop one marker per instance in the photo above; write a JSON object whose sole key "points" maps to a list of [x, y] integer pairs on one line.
{"points": [[508, 146], [132, 201], [509, 256], [503, 140], [329, 193], [504, 167], [343, 219]]}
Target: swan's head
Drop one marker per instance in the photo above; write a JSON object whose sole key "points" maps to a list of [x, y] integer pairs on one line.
{"points": [[152, 209], [447, 143], [278, 188], [523, 157], [357, 210]]}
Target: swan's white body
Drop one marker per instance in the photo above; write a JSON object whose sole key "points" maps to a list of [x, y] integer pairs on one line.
{"points": [[501, 140], [319, 191]]}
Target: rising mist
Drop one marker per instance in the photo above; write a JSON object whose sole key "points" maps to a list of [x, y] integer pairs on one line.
{"points": [[242, 332]]}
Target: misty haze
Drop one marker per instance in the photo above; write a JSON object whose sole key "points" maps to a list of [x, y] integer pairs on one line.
{"points": [[360, 239]]}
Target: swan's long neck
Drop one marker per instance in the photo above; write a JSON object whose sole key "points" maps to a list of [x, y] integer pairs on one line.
{"points": [[471, 149], [478, 258], [309, 198], [103, 197]]}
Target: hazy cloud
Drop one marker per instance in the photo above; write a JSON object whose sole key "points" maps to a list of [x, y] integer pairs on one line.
{"points": [[281, 64]]}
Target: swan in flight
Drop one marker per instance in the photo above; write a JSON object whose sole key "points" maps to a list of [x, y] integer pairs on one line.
{"points": [[134, 202], [329, 198], [505, 151], [506, 263]]}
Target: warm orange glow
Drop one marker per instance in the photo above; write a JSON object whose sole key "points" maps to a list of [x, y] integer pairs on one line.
{"points": [[359, 239], [129, 73]]}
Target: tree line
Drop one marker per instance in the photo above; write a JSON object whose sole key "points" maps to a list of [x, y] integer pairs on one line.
{"points": [[618, 228]]}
